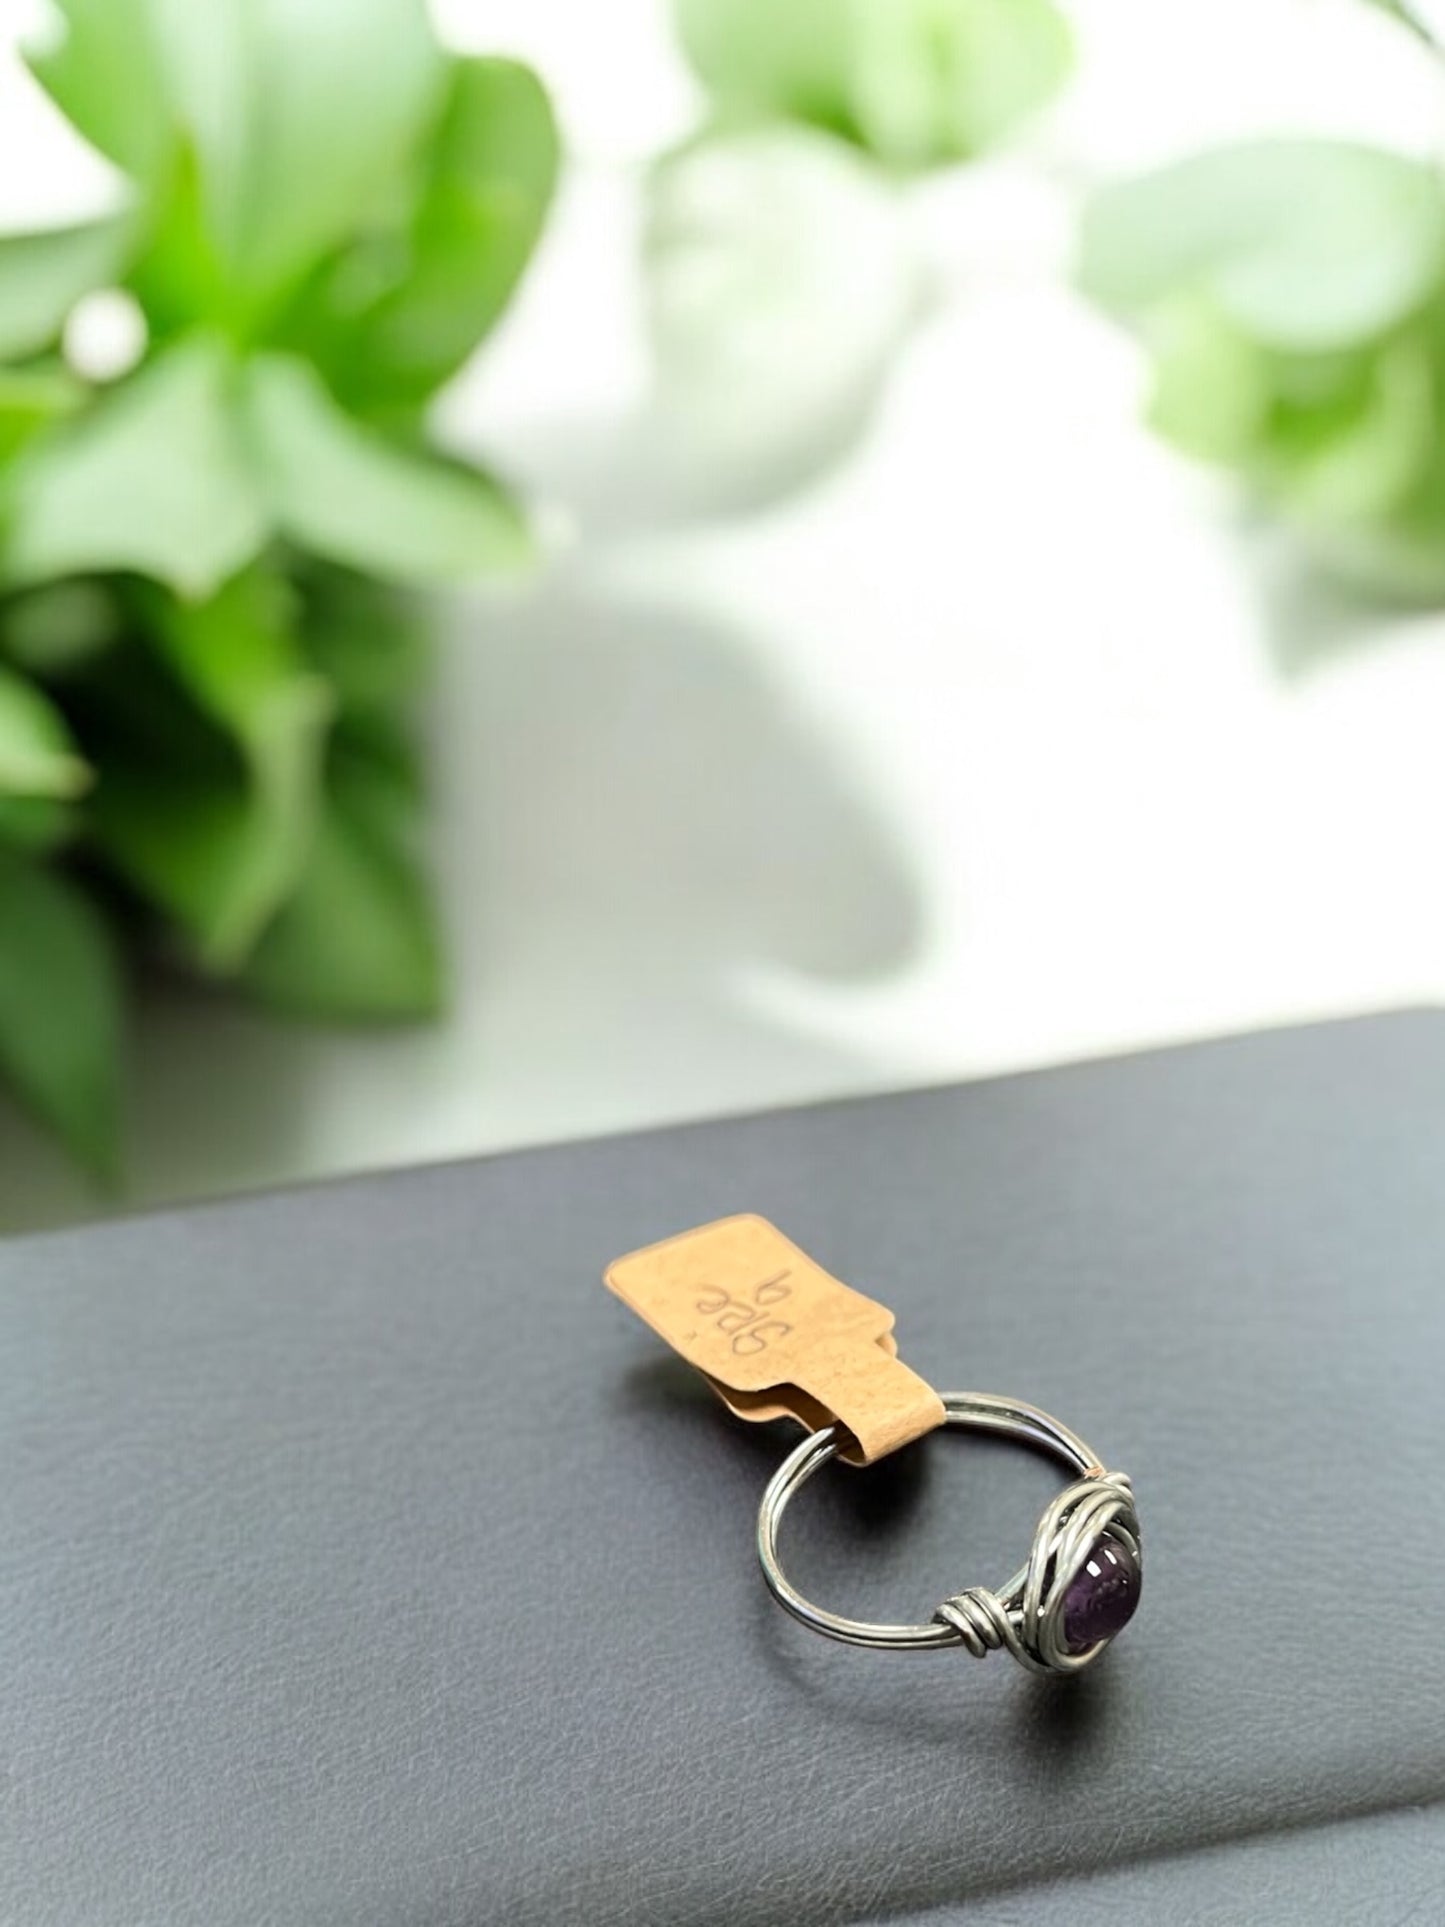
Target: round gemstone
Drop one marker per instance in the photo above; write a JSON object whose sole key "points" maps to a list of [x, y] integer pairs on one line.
{"points": [[1102, 1594]]}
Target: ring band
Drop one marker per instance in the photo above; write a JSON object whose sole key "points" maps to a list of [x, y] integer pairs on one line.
{"points": [[1059, 1611]]}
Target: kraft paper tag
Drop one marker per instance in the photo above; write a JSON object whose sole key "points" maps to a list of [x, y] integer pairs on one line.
{"points": [[776, 1336]]}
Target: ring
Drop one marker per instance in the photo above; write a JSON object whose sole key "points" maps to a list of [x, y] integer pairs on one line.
{"points": [[1059, 1611]]}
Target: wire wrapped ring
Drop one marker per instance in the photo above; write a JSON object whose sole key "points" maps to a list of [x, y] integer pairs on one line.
{"points": [[1058, 1612]]}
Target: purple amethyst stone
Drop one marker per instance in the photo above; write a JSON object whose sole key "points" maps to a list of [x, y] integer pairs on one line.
{"points": [[1102, 1595]]}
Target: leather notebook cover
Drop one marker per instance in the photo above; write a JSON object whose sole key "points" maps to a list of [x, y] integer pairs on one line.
{"points": [[365, 1561]]}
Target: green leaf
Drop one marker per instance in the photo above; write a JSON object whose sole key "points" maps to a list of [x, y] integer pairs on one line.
{"points": [[1308, 245], [1401, 556], [916, 82], [359, 941], [37, 756], [1356, 453], [171, 813], [31, 399], [59, 1009], [941, 80], [237, 656], [43, 275], [315, 155], [52, 630], [185, 844], [761, 58], [383, 746], [152, 480], [372, 643], [400, 311], [351, 496], [297, 111], [34, 823], [1212, 384], [223, 865], [179, 276], [106, 73]]}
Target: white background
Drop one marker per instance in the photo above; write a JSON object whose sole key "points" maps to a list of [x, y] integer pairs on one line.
{"points": [[1010, 739]]}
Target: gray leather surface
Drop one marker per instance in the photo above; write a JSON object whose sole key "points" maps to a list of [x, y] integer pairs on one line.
{"points": [[1387, 1871], [364, 1561]]}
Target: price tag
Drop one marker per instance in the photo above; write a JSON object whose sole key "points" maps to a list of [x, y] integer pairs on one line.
{"points": [[776, 1336]]}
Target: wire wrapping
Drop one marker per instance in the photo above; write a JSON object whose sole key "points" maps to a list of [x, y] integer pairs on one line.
{"points": [[1027, 1619]]}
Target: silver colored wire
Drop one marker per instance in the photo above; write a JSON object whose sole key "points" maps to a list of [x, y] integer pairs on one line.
{"points": [[1023, 1617]]}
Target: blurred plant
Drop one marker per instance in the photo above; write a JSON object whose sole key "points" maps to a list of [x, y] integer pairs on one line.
{"points": [[207, 650], [1409, 16], [914, 83], [780, 283], [1292, 297], [781, 275]]}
